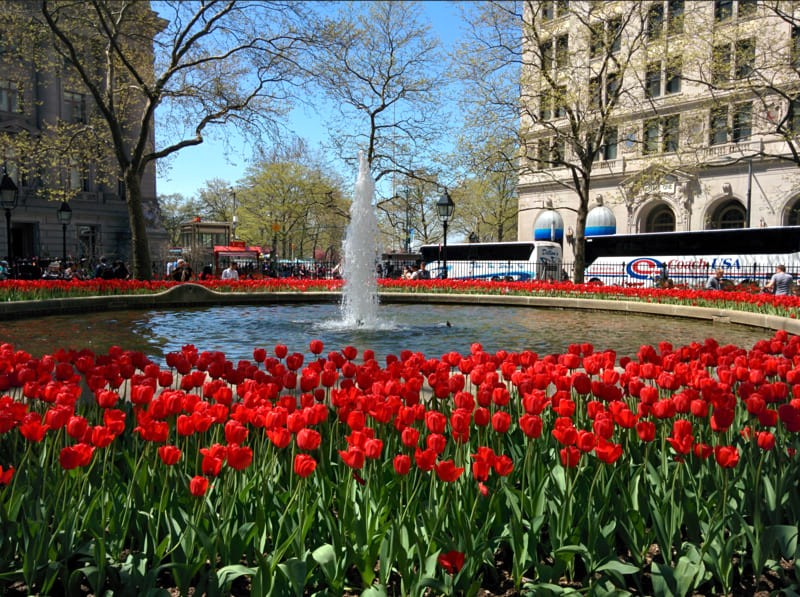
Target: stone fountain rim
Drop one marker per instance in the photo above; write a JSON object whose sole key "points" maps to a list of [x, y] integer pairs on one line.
{"points": [[194, 295]]}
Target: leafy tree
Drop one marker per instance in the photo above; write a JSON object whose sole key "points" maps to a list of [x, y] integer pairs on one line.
{"points": [[384, 71], [175, 210], [411, 213], [293, 209], [202, 64]]}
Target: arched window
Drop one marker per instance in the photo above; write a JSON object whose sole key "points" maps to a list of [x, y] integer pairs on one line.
{"points": [[730, 214], [660, 219], [793, 215]]}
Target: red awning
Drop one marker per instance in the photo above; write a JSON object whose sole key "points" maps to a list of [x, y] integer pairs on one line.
{"points": [[234, 251]]}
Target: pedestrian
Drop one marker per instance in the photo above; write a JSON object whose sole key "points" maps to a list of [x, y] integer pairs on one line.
{"points": [[104, 270], [182, 272], [230, 272], [781, 282], [713, 282]]}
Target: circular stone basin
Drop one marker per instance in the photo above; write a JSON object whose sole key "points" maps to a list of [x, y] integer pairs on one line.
{"points": [[431, 329]]}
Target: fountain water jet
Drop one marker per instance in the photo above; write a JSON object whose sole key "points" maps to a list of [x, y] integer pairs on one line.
{"points": [[360, 291]]}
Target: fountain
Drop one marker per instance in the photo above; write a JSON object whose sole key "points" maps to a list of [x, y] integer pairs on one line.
{"points": [[360, 290]]}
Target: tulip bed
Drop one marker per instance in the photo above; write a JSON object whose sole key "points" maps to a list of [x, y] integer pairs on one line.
{"points": [[326, 472], [743, 300]]}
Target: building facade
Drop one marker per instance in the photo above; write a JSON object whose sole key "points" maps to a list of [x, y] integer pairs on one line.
{"points": [[34, 100], [695, 100]]}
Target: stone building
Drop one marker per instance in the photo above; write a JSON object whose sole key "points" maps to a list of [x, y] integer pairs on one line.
{"points": [[695, 138], [32, 96]]}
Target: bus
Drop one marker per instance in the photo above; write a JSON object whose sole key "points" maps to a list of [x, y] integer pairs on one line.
{"points": [[746, 256], [508, 261]]}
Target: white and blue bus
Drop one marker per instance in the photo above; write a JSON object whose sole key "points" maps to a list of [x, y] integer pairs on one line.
{"points": [[746, 256], [507, 261]]}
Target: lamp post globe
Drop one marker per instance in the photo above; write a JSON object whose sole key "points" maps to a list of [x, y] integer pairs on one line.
{"points": [[445, 208]]}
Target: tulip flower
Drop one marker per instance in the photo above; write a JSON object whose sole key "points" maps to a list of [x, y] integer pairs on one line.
{"points": [[198, 486]]}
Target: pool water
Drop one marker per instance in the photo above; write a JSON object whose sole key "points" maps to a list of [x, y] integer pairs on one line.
{"points": [[431, 329]]}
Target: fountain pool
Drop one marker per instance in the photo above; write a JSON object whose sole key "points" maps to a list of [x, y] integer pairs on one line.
{"points": [[236, 330]]}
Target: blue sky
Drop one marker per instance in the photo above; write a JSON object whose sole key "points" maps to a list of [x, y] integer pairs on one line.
{"points": [[191, 167]]}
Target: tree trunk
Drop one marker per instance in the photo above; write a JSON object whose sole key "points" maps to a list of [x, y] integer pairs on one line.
{"points": [[142, 266], [580, 238]]}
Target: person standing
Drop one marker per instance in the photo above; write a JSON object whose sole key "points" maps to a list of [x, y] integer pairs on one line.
{"points": [[230, 272], [182, 273], [781, 282], [713, 282]]}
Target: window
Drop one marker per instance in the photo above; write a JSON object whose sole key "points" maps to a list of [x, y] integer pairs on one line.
{"points": [[660, 219], [662, 78], [670, 133], [655, 21], [719, 126], [737, 60], [672, 74], [553, 103], [793, 117], [553, 9], [651, 131], [659, 13], [550, 153], [742, 122], [555, 53], [730, 214], [10, 97], [74, 107], [795, 48], [652, 83], [612, 88], [721, 64], [661, 135], [605, 37], [745, 58], [746, 8], [675, 17], [725, 9], [738, 129], [608, 150]]}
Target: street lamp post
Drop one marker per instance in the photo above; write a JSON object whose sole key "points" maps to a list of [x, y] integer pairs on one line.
{"points": [[65, 217], [8, 199], [234, 218], [445, 208]]}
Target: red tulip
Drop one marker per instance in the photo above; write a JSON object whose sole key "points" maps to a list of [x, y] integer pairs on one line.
{"points": [[402, 464], [304, 465], [280, 437], [570, 456], [409, 437], [170, 455], [316, 346], [501, 421], [447, 471], [531, 425], [452, 561], [6, 475], [646, 430], [607, 452], [72, 457], [765, 440], [353, 457], [425, 459], [503, 465], [198, 486], [239, 457], [308, 439], [727, 456]]}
